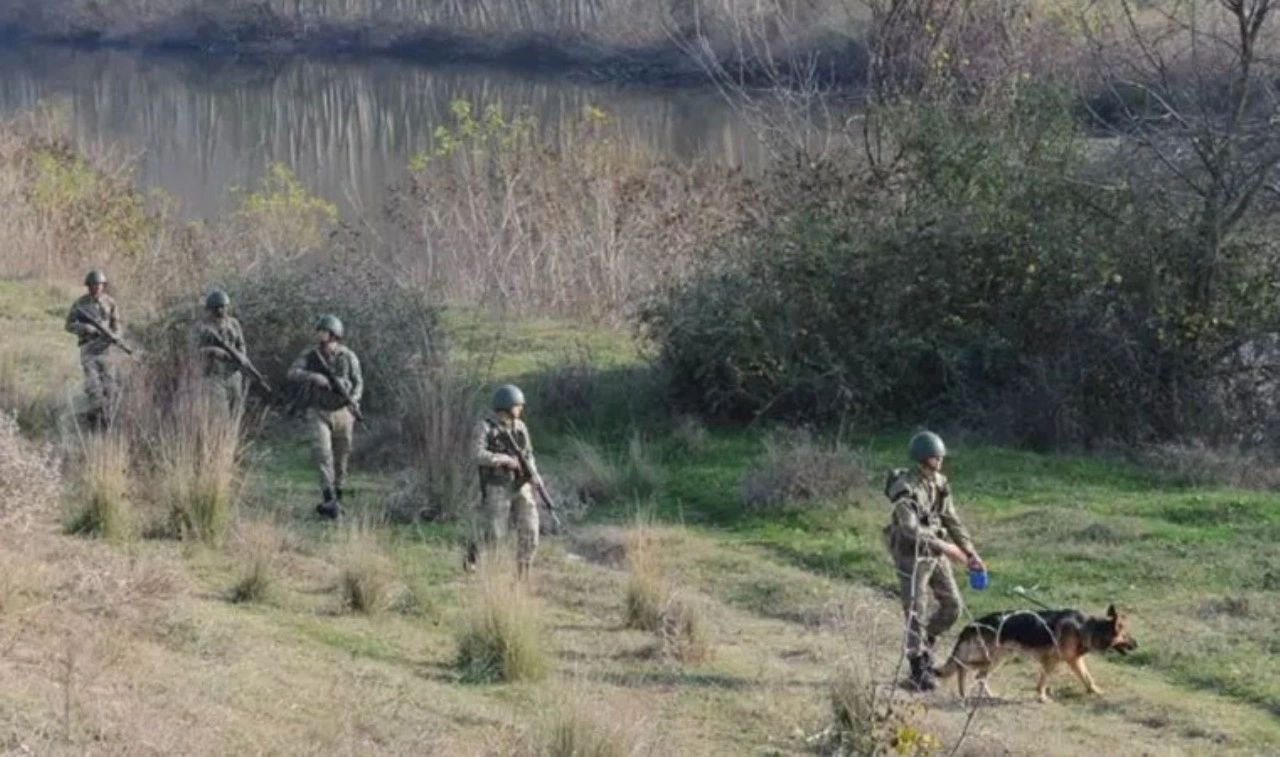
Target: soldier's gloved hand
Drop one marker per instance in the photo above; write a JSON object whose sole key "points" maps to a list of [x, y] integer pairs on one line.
{"points": [[512, 464], [87, 329], [319, 380], [345, 384], [976, 564]]}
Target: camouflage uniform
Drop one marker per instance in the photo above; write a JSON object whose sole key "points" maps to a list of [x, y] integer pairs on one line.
{"points": [[221, 371], [99, 384], [923, 512], [506, 499], [331, 423]]}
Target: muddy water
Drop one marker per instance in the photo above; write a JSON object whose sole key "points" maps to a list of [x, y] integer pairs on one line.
{"points": [[199, 130]]}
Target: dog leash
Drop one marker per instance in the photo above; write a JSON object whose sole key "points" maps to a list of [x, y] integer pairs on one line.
{"points": [[1022, 592]]}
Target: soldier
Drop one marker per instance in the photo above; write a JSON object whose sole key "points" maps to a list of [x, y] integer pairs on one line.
{"points": [[219, 367], [506, 497], [330, 417], [923, 513], [99, 385]]}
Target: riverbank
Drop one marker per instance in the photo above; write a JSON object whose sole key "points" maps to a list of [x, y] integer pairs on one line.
{"points": [[613, 44]]}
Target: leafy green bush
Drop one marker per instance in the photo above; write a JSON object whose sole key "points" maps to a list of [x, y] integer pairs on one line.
{"points": [[1011, 291]]}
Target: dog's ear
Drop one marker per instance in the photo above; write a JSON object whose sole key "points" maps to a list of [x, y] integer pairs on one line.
{"points": [[1111, 612]]}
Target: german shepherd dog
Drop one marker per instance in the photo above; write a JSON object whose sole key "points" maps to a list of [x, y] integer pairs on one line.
{"points": [[1051, 637]]}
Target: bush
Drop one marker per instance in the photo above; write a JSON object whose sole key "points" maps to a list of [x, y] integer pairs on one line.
{"points": [[500, 639], [391, 326], [682, 632], [1011, 291], [795, 469]]}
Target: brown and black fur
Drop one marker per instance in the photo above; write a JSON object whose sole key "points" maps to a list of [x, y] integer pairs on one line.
{"points": [[1050, 636]]}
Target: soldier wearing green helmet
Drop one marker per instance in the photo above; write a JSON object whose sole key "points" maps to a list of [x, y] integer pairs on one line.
{"points": [[330, 416], [924, 531], [219, 367], [506, 496], [99, 383]]}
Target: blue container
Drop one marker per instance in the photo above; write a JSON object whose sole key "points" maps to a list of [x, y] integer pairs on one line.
{"points": [[978, 579]]}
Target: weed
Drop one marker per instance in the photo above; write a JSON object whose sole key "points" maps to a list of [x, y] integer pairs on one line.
{"points": [[575, 724], [99, 502], [500, 639], [867, 722]]}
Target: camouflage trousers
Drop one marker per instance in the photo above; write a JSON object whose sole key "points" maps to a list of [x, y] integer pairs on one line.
{"points": [[916, 579], [99, 383], [331, 437], [228, 389], [504, 509]]}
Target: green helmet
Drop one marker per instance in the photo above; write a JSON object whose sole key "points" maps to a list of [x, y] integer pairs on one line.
{"points": [[217, 299], [331, 324], [95, 277], [507, 397], [926, 444]]}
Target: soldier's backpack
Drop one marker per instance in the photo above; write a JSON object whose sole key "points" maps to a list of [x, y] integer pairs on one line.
{"points": [[892, 478]]}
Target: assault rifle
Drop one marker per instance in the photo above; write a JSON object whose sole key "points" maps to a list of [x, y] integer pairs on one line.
{"points": [[239, 358], [526, 473], [322, 367], [86, 317]]}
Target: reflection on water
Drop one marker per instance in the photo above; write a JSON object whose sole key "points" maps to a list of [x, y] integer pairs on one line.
{"points": [[200, 129]]}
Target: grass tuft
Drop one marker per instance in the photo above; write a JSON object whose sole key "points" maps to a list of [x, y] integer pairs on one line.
{"points": [[500, 638], [368, 577], [99, 503], [646, 589], [258, 545]]}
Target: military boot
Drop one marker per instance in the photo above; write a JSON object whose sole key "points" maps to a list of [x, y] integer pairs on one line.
{"points": [[922, 673], [328, 507]]}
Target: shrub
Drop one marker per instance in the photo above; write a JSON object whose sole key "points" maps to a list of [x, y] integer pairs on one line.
{"points": [[500, 638], [1011, 291], [866, 721], [391, 326], [794, 469], [577, 724]]}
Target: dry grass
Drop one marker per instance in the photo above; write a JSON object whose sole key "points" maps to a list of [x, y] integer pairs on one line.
{"points": [[99, 502], [438, 419], [197, 451], [30, 478], [574, 722], [646, 590], [1201, 465], [368, 581], [501, 635], [795, 469], [598, 479], [257, 545], [683, 635]]}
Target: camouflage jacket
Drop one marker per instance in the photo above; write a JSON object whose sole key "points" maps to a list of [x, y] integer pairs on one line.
{"points": [[923, 513], [491, 450], [104, 309], [345, 366], [229, 329]]}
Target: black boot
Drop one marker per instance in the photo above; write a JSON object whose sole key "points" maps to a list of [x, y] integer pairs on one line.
{"points": [[328, 507], [922, 674], [337, 493], [471, 558]]}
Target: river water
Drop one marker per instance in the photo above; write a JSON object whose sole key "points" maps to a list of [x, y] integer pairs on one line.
{"points": [[199, 129]]}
